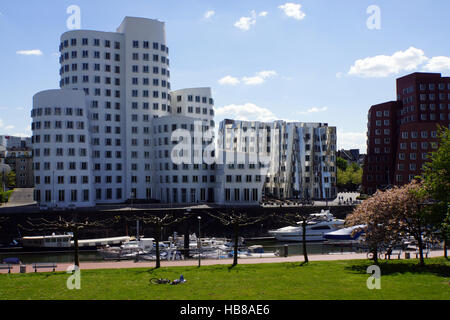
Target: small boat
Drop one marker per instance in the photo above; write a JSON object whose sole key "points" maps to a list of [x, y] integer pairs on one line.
{"points": [[257, 251], [128, 250], [318, 224], [346, 234]]}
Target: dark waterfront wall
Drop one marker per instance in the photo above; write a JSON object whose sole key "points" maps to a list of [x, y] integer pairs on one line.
{"points": [[17, 224]]}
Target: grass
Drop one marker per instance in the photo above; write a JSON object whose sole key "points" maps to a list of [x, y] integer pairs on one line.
{"points": [[286, 281]]}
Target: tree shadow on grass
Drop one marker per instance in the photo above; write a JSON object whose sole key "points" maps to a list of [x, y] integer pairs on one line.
{"points": [[294, 265], [388, 268]]}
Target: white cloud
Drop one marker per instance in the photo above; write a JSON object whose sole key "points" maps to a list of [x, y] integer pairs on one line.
{"points": [[259, 78], [35, 52], [246, 112], [293, 10], [229, 80], [209, 14], [263, 14], [314, 110], [352, 140], [437, 64], [5, 127], [244, 23], [383, 65], [21, 135]]}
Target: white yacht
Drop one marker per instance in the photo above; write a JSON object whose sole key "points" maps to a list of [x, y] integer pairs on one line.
{"points": [[318, 224], [128, 250]]}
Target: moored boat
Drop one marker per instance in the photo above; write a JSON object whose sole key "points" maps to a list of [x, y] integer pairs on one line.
{"points": [[318, 224], [65, 242]]}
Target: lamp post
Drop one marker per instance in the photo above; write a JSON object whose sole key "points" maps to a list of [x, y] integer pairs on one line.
{"points": [[3, 180], [199, 242], [186, 235], [52, 198]]}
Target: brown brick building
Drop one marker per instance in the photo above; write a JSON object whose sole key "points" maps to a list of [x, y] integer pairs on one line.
{"points": [[401, 134]]}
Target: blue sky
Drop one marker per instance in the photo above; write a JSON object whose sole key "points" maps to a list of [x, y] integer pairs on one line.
{"points": [[308, 60]]}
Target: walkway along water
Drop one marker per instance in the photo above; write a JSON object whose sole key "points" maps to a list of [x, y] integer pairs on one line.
{"points": [[130, 264]]}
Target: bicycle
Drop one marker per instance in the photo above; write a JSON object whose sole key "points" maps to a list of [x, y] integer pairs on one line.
{"points": [[159, 281], [369, 255]]}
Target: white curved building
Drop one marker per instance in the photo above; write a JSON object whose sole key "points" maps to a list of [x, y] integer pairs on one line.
{"points": [[181, 174], [121, 81], [106, 135], [62, 152], [125, 77]]}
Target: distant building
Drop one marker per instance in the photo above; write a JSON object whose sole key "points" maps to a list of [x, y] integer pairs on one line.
{"points": [[402, 134], [15, 142], [21, 162], [2, 154], [351, 156], [16, 152]]}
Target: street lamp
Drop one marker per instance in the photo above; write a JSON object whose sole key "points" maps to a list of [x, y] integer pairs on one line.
{"points": [[199, 242], [53, 198]]}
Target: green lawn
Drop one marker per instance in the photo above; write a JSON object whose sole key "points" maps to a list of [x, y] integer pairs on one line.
{"points": [[287, 281]]}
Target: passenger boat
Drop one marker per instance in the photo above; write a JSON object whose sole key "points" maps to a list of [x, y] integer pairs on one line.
{"points": [[65, 242], [318, 224]]}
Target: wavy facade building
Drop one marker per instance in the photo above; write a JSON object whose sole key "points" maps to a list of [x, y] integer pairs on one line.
{"points": [[115, 131], [293, 160]]}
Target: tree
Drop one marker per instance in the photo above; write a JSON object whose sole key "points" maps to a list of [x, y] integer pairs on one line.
{"points": [[158, 224], [392, 215], [236, 220], [350, 178], [72, 225], [436, 183], [341, 163], [376, 215], [2, 221], [413, 215], [356, 176], [293, 219], [343, 178], [11, 180]]}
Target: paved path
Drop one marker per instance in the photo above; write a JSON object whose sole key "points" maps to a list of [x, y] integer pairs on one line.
{"points": [[150, 264], [21, 197]]}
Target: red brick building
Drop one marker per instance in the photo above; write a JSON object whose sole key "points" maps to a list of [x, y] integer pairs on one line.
{"points": [[401, 134]]}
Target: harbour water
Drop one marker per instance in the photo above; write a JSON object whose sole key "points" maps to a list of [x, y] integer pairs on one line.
{"points": [[93, 256]]}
